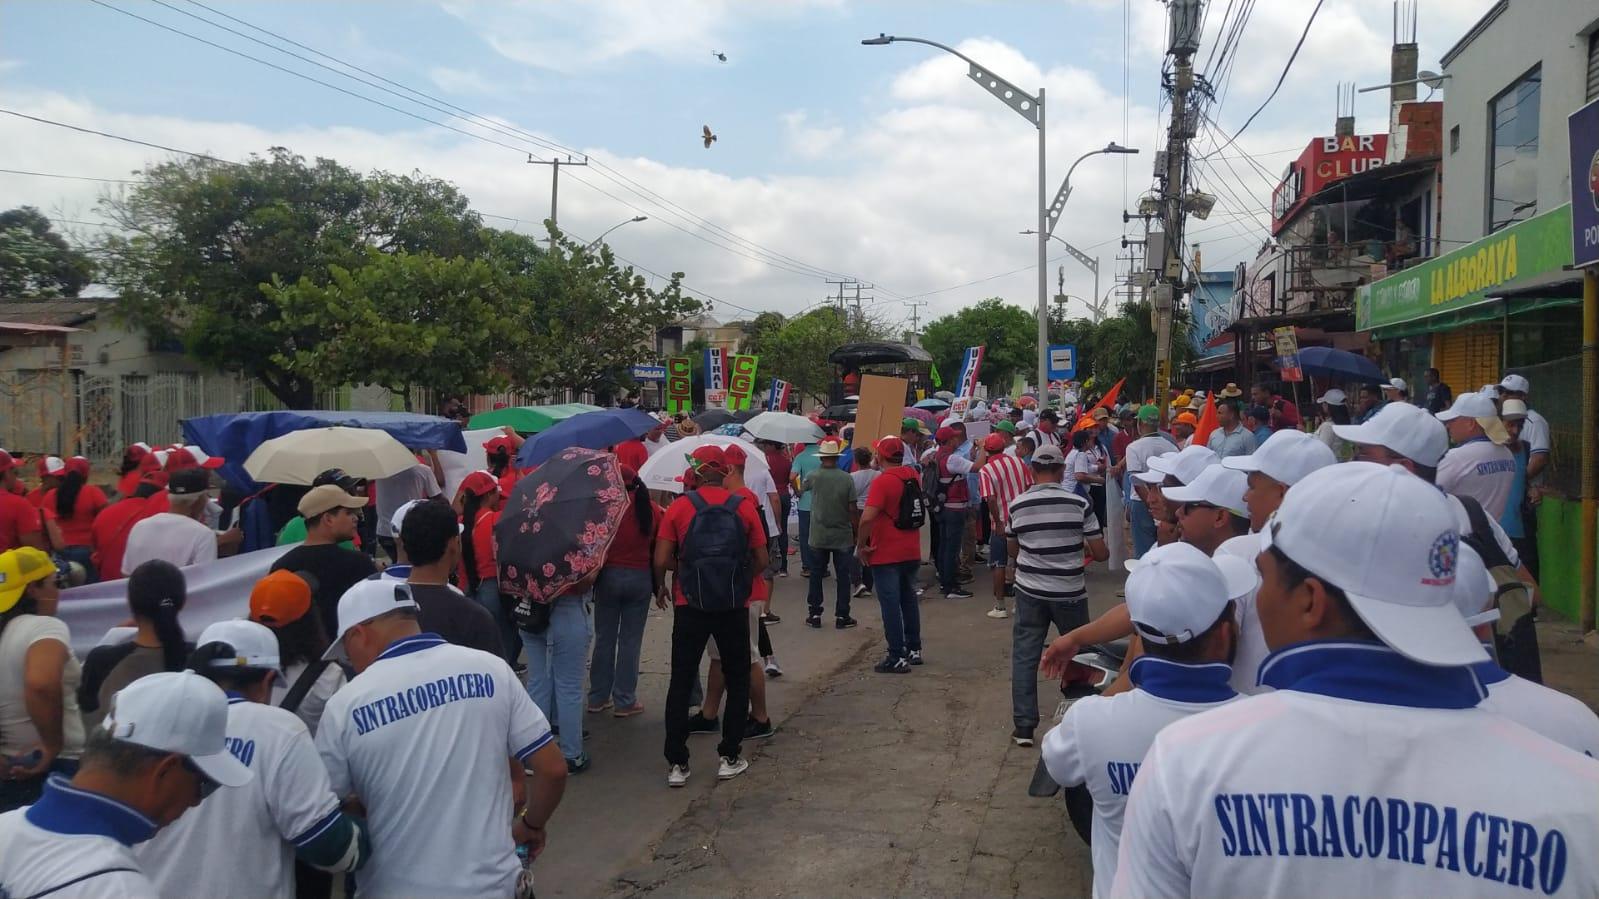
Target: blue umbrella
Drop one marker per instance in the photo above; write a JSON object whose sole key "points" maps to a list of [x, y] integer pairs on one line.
{"points": [[591, 430], [932, 403], [1326, 362]]}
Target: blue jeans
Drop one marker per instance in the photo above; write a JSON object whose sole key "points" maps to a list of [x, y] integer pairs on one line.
{"points": [[488, 596], [785, 502], [621, 606], [1029, 627], [806, 560], [1143, 528], [841, 560], [555, 668], [947, 554], [902, 615]]}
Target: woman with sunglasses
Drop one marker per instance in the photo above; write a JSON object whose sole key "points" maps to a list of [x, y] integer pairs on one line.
{"points": [[41, 731]]}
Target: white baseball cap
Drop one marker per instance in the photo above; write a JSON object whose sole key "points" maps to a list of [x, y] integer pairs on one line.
{"points": [[1478, 407], [1388, 540], [1333, 397], [254, 645], [1513, 408], [1217, 486], [1491, 391], [1408, 430], [364, 601], [1396, 384], [1474, 588], [1176, 592], [1285, 457], [1184, 465], [181, 712], [397, 521], [1515, 384]]}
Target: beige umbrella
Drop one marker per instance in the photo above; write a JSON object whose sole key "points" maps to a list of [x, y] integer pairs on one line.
{"points": [[299, 456]]}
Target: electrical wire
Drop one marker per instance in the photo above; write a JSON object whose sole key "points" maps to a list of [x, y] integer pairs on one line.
{"points": [[67, 177], [127, 140], [1280, 78]]}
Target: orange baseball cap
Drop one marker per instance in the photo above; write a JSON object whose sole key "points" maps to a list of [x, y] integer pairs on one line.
{"points": [[280, 598], [1187, 418]]}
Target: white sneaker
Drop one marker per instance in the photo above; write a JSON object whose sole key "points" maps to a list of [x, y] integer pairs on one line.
{"points": [[861, 590], [678, 776], [730, 768], [998, 612], [772, 668]]}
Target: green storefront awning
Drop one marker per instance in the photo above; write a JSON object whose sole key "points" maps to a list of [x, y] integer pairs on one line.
{"points": [[1415, 300]]}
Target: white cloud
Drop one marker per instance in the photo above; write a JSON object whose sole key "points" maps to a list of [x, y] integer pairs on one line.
{"points": [[7, 65], [464, 81], [807, 140], [574, 37]]}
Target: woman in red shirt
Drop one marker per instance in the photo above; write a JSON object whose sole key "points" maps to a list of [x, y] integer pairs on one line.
{"points": [[622, 604], [480, 574], [69, 513]]}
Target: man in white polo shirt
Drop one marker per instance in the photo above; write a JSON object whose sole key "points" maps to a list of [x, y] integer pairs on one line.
{"points": [[1564, 719], [1479, 466], [1535, 433], [161, 750], [420, 738], [1181, 603], [1368, 771], [1282, 461], [244, 842]]}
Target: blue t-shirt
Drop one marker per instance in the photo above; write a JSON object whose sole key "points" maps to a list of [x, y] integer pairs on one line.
{"points": [[1261, 433], [1511, 520], [805, 463]]}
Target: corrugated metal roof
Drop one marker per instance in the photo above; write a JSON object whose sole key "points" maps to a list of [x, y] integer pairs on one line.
{"points": [[63, 312]]}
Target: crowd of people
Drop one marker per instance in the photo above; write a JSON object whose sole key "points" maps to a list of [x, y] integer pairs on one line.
{"points": [[381, 677]]}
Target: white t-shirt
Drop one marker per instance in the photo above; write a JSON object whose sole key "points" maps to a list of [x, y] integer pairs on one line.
{"points": [[17, 733], [1564, 719], [1252, 649], [423, 737], [1138, 454], [654, 446], [178, 539], [1404, 793], [394, 491], [761, 484], [240, 842], [1085, 462], [316, 699], [1535, 432], [1482, 470], [1102, 741], [69, 843]]}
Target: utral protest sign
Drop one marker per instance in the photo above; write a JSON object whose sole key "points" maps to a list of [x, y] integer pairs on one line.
{"points": [[1466, 277], [1583, 128]]}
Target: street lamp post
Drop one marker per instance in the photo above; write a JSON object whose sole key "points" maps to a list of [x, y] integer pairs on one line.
{"points": [[1030, 108], [596, 241]]}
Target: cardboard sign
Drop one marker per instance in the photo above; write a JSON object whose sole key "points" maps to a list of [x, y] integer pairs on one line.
{"points": [[1287, 353], [881, 407]]}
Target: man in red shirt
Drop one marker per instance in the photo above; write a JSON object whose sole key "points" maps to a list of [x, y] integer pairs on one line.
{"points": [[692, 624], [108, 536], [894, 554], [20, 524]]}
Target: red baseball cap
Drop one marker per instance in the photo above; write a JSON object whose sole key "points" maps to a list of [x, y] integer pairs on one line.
{"points": [[735, 455], [51, 465], [191, 457], [708, 457], [993, 443], [480, 483], [6, 461], [496, 444], [890, 447], [79, 464], [944, 434]]}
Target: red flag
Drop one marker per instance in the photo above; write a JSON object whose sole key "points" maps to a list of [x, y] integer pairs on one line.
{"points": [[1109, 400], [1207, 421]]}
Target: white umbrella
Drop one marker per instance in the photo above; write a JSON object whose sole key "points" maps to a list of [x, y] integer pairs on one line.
{"points": [[664, 468], [781, 427], [299, 456]]}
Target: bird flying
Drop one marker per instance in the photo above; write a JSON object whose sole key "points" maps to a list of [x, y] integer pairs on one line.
{"points": [[708, 137]]}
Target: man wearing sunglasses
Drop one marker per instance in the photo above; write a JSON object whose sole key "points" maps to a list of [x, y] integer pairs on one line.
{"points": [[162, 750]]}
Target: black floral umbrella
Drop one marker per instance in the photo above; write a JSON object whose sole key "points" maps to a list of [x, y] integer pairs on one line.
{"points": [[556, 528]]}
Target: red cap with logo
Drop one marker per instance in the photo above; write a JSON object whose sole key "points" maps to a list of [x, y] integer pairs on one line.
{"points": [[708, 457], [191, 457]]}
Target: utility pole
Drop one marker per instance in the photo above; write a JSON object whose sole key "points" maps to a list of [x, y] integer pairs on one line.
{"points": [[840, 298], [916, 320], [1184, 18], [555, 183]]}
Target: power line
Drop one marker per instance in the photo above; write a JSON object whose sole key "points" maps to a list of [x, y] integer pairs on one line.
{"points": [[67, 177], [127, 140], [1280, 78]]}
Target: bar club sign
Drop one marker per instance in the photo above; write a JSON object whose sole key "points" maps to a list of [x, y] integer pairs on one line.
{"points": [[1325, 161]]}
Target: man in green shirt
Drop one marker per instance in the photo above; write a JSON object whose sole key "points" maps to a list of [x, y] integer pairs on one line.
{"points": [[833, 518]]}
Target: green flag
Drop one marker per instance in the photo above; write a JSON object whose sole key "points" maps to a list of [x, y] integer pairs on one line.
{"points": [[937, 381]]}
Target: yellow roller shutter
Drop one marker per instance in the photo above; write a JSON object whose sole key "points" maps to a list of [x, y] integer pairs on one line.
{"points": [[1467, 358]]}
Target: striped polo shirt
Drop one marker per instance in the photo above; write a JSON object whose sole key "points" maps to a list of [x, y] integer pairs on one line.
{"points": [[1049, 523], [1002, 479]]}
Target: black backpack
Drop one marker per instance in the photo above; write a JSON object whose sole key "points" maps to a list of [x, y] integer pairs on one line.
{"points": [[932, 490], [713, 566], [912, 512]]}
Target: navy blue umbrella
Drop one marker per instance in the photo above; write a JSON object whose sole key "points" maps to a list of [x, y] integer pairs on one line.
{"points": [[1326, 362], [591, 430]]}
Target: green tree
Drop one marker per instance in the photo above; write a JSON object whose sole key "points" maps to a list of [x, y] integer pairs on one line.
{"points": [[1009, 333], [1124, 345], [35, 261], [798, 352], [202, 238], [579, 321], [400, 320]]}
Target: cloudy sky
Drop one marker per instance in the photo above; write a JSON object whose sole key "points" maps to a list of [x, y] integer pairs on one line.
{"points": [[833, 159]]}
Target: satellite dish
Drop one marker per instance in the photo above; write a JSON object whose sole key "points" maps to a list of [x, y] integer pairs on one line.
{"points": [[1431, 79]]}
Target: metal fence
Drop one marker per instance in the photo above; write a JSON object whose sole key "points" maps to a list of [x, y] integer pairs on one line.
{"points": [[1557, 395], [66, 412]]}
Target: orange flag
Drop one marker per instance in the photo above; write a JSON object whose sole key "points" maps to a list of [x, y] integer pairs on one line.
{"points": [[1207, 421], [1107, 402]]}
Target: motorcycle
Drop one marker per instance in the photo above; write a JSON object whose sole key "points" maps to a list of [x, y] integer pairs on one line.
{"points": [[1088, 674]]}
